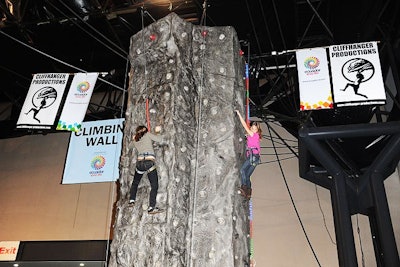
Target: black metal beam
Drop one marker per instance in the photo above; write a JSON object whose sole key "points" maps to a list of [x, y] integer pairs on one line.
{"points": [[367, 197]]}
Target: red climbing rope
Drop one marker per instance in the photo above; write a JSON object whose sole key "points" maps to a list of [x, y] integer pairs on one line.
{"points": [[247, 96]]}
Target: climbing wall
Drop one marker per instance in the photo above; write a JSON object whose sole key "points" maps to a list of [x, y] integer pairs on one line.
{"points": [[191, 78]]}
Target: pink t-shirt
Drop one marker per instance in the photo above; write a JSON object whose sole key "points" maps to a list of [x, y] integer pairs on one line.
{"points": [[254, 142]]}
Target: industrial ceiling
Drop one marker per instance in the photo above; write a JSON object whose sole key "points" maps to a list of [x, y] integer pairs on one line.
{"points": [[93, 35]]}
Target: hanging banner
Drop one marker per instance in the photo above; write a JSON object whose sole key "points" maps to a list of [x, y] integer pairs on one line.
{"points": [[94, 152], [42, 101], [314, 82], [77, 101], [356, 74]]}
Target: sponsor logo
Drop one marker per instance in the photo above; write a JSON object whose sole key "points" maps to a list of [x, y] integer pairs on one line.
{"points": [[311, 63], [82, 89], [97, 164]]}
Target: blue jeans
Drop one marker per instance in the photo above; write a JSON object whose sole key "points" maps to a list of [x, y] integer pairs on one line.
{"points": [[142, 166], [248, 168]]}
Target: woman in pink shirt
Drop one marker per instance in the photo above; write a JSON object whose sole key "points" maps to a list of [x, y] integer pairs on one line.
{"points": [[253, 134]]}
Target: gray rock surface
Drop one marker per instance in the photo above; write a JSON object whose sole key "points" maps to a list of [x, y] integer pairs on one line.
{"points": [[192, 77]]}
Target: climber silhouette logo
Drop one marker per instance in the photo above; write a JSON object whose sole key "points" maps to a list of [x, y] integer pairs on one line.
{"points": [[357, 71], [43, 98]]}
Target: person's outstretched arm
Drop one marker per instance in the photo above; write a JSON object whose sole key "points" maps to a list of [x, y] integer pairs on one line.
{"points": [[244, 124], [157, 136]]}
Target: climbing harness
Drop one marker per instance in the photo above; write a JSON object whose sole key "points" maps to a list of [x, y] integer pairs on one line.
{"points": [[152, 168], [144, 155], [140, 172], [254, 157]]}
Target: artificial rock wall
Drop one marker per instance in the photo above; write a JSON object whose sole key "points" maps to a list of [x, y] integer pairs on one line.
{"points": [[192, 78]]}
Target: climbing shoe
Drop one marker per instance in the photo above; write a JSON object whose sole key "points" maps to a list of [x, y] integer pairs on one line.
{"points": [[248, 193], [155, 210], [131, 202], [243, 190]]}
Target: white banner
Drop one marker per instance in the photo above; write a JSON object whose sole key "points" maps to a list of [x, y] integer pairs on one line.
{"points": [[42, 101], [356, 74], [8, 250], [314, 83], [77, 101], [94, 152]]}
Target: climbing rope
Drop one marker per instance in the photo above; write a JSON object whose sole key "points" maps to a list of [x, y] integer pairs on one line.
{"points": [[200, 95], [251, 241], [247, 95], [145, 71], [291, 197], [148, 114]]}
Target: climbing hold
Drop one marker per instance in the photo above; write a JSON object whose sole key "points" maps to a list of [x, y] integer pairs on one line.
{"points": [[214, 110], [202, 194], [211, 254]]}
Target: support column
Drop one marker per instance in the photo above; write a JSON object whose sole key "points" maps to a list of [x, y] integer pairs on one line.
{"points": [[364, 186]]}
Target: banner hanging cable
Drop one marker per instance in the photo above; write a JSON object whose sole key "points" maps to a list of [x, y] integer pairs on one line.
{"points": [[290, 51], [126, 80], [92, 28], [58, 60]]}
